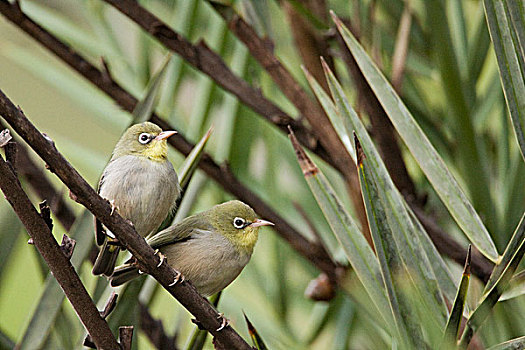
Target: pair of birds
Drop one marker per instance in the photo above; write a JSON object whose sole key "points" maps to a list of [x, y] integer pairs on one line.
{"points": [[142, 185]]}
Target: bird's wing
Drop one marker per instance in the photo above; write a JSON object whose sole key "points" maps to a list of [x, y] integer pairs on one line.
{"points": [[100, 232], [181, 232]]}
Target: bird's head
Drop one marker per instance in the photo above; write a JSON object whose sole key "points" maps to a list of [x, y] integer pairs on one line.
{"points": [[238, 223], [144, 140]]}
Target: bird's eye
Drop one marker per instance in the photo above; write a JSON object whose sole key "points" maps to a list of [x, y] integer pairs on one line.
{"points": [[144, 138], [239, 223]]}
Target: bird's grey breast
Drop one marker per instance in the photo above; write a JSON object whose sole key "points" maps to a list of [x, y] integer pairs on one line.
{"points": [[144, 191], [208, 259]]}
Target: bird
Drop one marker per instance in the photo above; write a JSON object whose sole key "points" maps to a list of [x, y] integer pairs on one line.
{"points": [[210, 248], [140, 183]]}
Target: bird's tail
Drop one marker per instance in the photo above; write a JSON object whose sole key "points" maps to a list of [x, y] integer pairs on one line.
{"points": [[123, 274], [105, 262]]}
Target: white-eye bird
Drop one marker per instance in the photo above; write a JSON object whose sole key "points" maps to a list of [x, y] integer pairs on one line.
{"points": [[140, 183], [209, 248]]}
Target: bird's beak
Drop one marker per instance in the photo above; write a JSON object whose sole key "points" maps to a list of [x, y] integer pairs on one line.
{"points": [[165, 134], [260, 222]]}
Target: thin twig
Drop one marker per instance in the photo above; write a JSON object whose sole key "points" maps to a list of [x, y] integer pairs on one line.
{"points": [[59, 265], [125, 337], [314, 253], [111, 303], [62, 211], [40, 184], [481, 266], [11, 155], [185, 293], [210, 63], [308, 108], [67, 246]]}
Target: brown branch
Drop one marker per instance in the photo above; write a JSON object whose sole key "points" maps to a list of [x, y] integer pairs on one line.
{"points": [[200, 56], [315, 253], [58, 263], [40, 184], [125, 337], [154, 330], [185, 293], [62, 211], [481, 266], [309, 108], [210, 63]]}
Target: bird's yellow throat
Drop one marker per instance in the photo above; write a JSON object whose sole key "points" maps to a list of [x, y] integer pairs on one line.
{"points": [[157, 151], [246, 241]]}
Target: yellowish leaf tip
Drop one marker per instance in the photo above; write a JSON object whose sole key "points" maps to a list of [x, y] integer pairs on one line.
{"points": [[359, 151], [306, 72], [325, 65], [306, 164], [208, 133], [466, 270], [335, 18]]}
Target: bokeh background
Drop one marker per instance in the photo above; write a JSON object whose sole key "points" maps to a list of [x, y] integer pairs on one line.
{"points": [[85, 124]]}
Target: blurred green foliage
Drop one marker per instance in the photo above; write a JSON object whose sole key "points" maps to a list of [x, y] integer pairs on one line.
{"points": [[451, 86]]}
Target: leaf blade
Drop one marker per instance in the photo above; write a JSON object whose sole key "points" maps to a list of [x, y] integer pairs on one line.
{"points": [[451, 332], [427, 157], [491, 297], [146, 105], [508, 58], [355, 246], [388, 255], [406, 229]]}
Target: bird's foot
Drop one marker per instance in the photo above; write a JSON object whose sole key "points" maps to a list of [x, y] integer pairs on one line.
{"points": [[161, 257], [224, 322], [113, 206], [178, 278]]}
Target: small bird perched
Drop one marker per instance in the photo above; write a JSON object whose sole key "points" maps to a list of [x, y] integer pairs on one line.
{"points": [[140, 183], [209, 248]]}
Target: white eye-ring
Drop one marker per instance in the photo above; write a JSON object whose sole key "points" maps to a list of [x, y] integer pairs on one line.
{"points": [[144, 138], [239, 223]]}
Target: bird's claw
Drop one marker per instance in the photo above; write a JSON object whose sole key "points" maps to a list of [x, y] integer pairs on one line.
{"points": [[178, 278], [161, 257], [224, 322], [113, 206]]}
